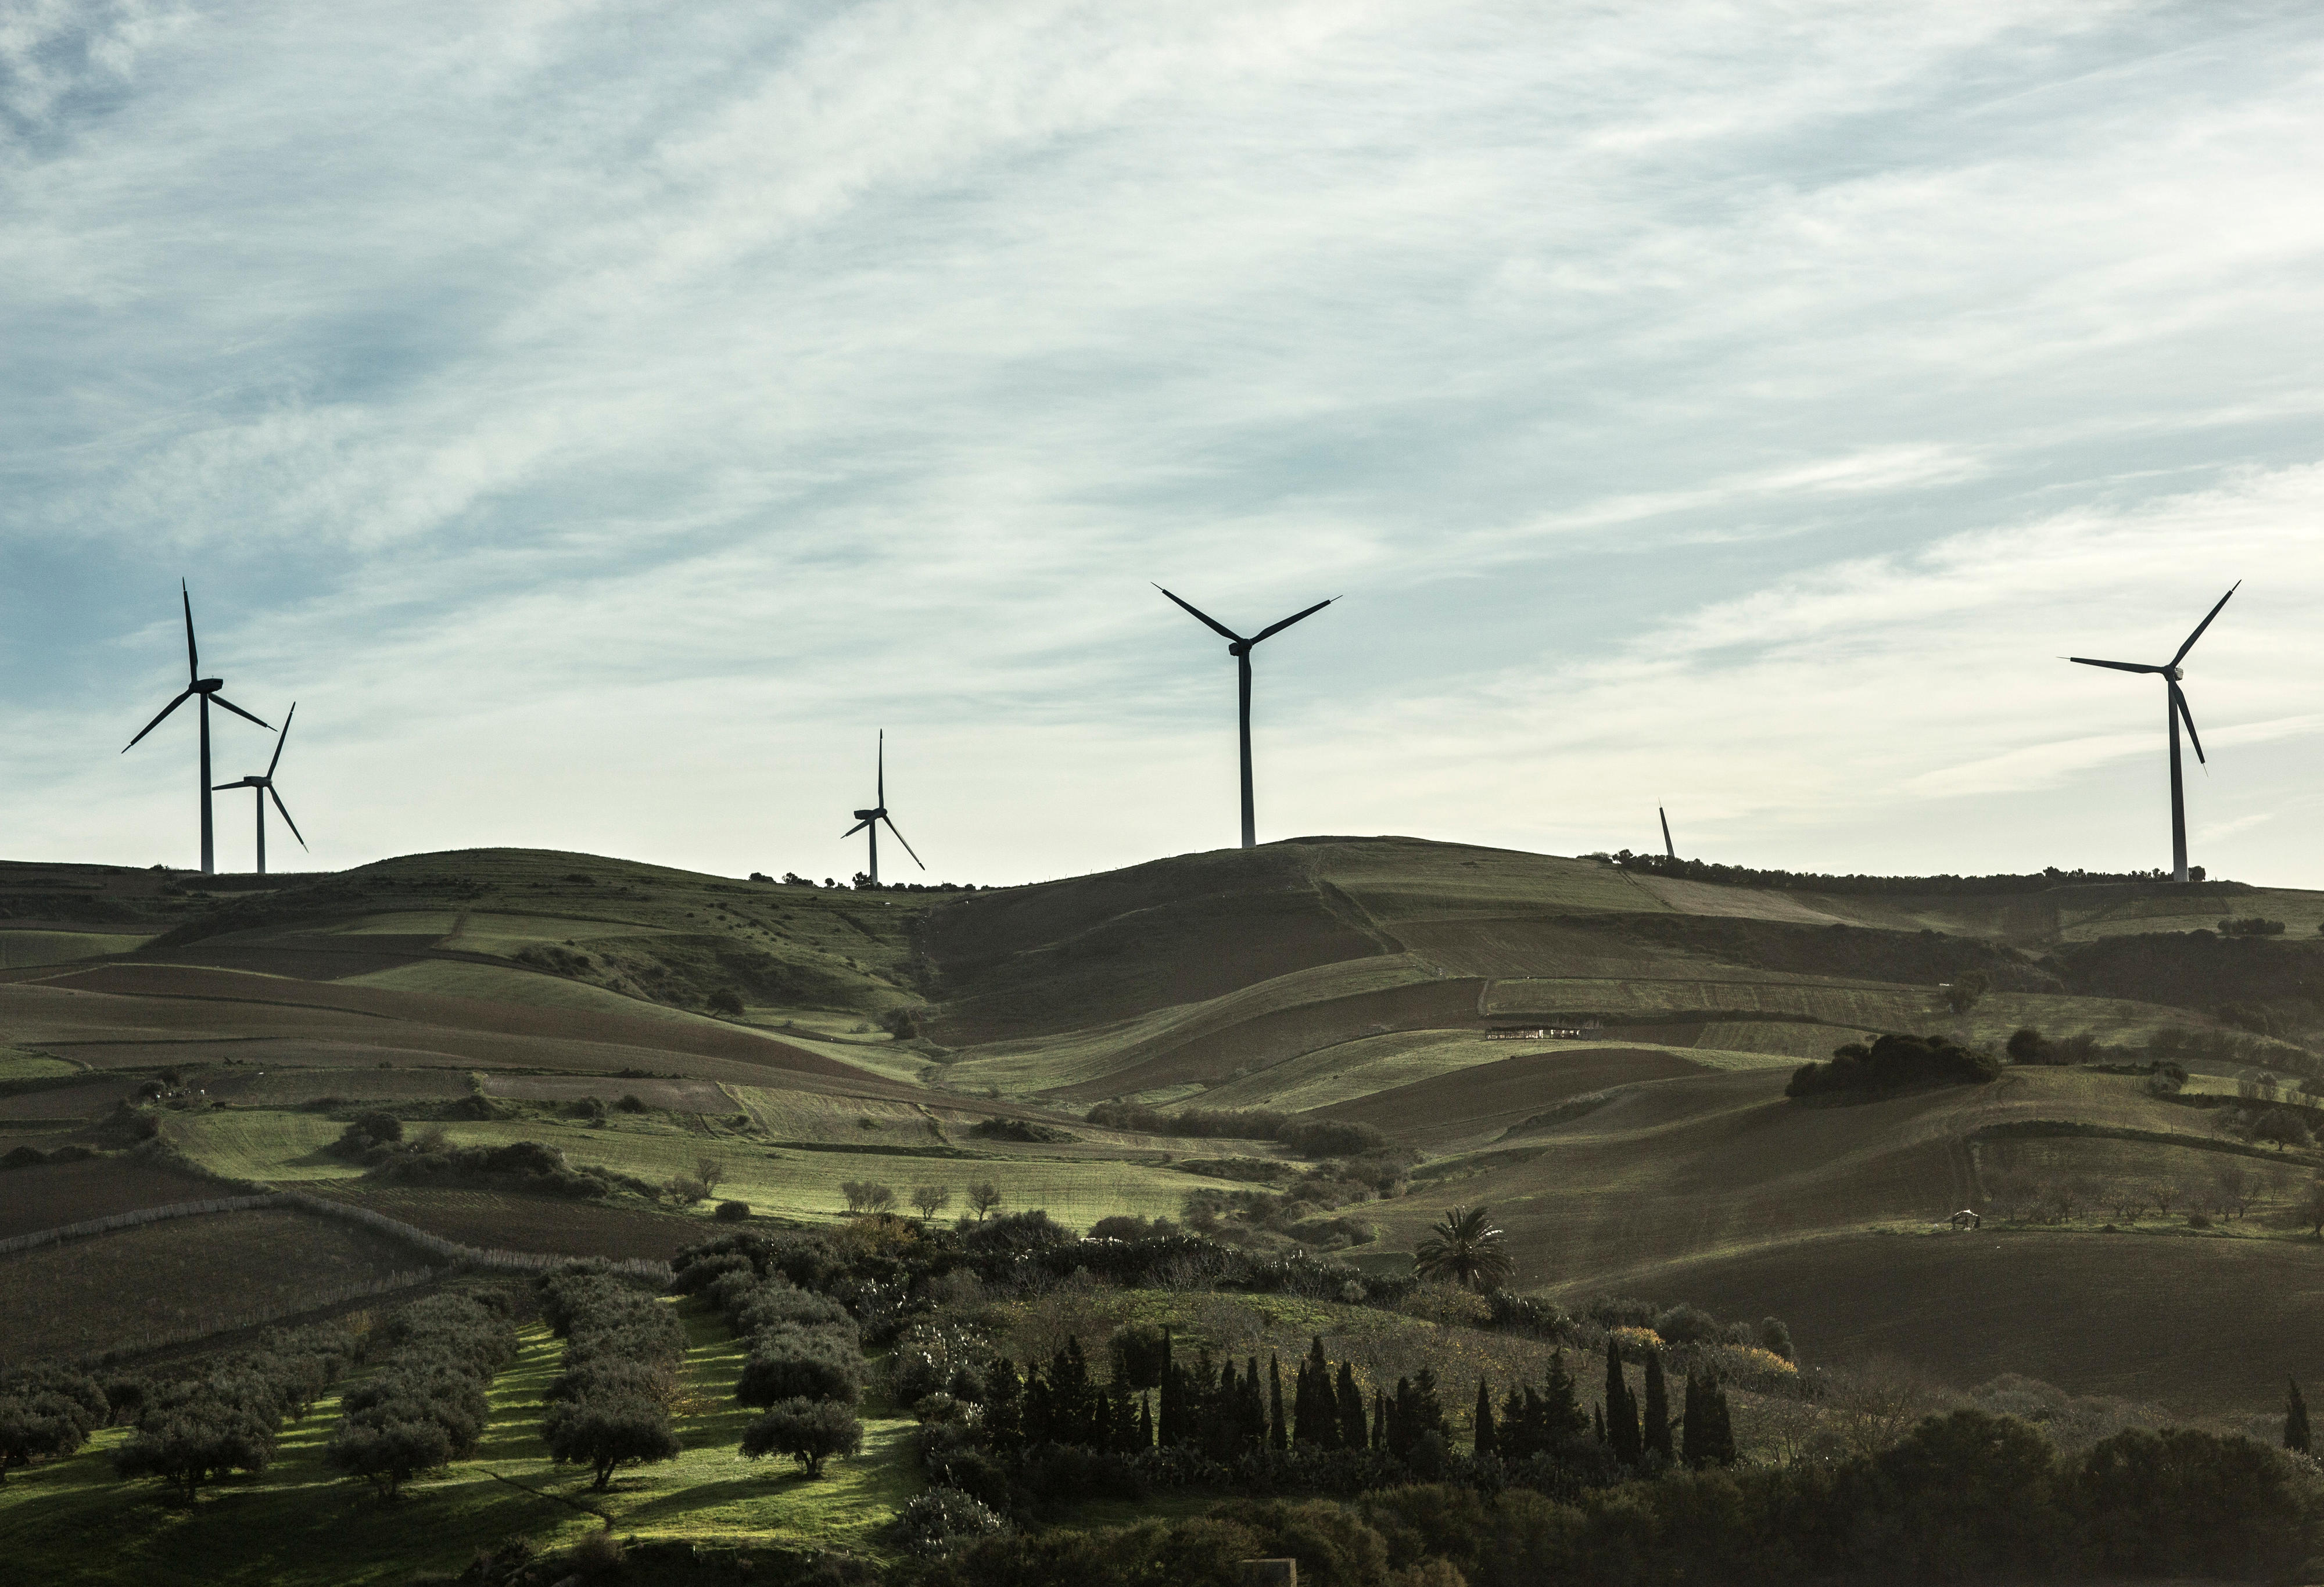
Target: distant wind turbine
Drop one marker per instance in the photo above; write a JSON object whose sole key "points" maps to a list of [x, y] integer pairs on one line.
{"points": [[263, 788], [207, 688], [868, 821], [2174, 711], [1240, 648], [1669, 848]]}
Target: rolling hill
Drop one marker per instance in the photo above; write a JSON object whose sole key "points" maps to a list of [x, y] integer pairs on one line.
{"points": [[804, 1037]]}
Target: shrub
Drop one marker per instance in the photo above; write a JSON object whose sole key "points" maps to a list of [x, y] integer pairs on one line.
{"points": [[685, 1190], [726, 1001], [1775, 1338], [940, 1520], [732, 1211], [790, 1362], [809, 1431], [605, 1435]]}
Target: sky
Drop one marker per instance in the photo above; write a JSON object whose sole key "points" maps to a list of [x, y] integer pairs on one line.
{"points": [[604, 419]]}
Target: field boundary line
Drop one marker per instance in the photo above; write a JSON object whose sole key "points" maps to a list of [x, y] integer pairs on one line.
{"points": [[131, 1219], [452, 1251]]}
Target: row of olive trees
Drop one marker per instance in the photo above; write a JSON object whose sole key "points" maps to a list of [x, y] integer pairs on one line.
{"points": [[2230, 1191], [870, 1195]]}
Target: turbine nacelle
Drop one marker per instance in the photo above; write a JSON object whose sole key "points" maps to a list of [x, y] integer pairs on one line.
{"points": [[870, 814], [206, 686]]}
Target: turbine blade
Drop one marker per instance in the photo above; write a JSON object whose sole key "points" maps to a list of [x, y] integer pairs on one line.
{"points": [[899, 839], [1295, 616], [149, 726], [237, 710], [193, 655], [1206, 619], [879, 785], [286, 816], [851, 831], [2117, 666], [215, 786], [2180, 701], [2199, 627], [280, 739]]}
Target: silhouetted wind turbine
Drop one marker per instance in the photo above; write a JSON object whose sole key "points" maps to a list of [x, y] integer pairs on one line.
{"points": [[868, 820], [1669, 848], [263, 788], [2174, 711], [207, 688], [1240, 648]]}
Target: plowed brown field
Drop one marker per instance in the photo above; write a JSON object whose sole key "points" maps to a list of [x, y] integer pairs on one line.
{"points": [[50, 1196], [95, 1294]]}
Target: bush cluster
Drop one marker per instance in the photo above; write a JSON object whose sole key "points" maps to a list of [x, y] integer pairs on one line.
{"points": [[1892, 1063], [609, 1406], [226, 1415], [46, 1412], [426, 1407]]}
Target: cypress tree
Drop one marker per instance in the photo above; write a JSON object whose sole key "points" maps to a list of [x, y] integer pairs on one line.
{"points": [[1353, 1434], [1722, 1425], [1621, 1410], [2295, 1419], [1692, 1425], [1598, 1424], [1145, 1422], [1254, 1406], [1278, 1435], [1485, 1439], [1658, 1430], [1561, 1413], [1379, 1421], [1171, 1389], [1314, 1414], [1001, 1406]]}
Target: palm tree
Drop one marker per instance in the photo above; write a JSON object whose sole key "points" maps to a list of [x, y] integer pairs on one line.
{"points": [[1464, 1249]]}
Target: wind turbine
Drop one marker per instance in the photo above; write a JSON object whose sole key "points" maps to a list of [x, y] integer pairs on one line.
{"points": [[1240, 648], [2174, 711], [207, 688], [1669, 848], [868, 820], [263, 788]]}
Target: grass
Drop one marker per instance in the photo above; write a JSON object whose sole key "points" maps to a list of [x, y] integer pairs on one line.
{"points": [[22, 950], [17, 1064]]}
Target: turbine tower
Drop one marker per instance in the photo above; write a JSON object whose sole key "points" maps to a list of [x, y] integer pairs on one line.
{"points": [[263, 788], [1240, 648], [868, 821], [2174, 711], [1670, 849], [207, 688]]}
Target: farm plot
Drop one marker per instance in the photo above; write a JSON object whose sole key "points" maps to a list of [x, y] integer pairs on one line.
{"points": [[504, 1221], [1480, 1100], [1859, 1008], [21, 950], [260, 1144], [50, 1195], [115, 1289], [2197, 1325], [676, 1096], [17, 1064]]}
